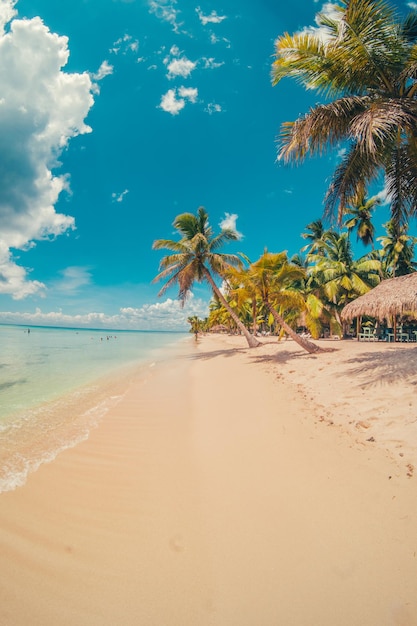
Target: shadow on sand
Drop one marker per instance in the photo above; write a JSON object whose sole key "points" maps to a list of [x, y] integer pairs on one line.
{"points": [[385, 366], [281, 355]]}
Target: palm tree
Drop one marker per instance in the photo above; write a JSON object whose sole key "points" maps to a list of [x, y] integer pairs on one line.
{"points": [[315, 235], [365, 56], [271, 278], [196, 324], [316, 311], [341, 277], [195, 257], [242, 293], [361, 218], [397, 250]]}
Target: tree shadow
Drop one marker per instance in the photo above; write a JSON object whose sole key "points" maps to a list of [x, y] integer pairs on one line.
{"points": [[386, 366], [281, 355], [226, 352]]}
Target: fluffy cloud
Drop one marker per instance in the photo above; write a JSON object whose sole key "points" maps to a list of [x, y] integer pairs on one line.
{"points": [[165, 10], [213, 18], [104, 70], [330, 10], [167, 315], [41, 109], [180, 67], [229, 223], [174, 100]]}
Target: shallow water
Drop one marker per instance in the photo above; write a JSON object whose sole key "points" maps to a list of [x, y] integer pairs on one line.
{"points": [[56, 384]]}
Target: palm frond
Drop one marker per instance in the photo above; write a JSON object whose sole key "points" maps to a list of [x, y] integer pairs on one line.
{"points": [[350, 179], [322, 127]]}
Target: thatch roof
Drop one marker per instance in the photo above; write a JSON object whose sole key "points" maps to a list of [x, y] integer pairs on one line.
{"points": [[219, 328], [394, 296]]}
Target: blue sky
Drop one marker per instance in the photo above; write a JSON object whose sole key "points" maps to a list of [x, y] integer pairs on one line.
{"points": [[117, 115]]}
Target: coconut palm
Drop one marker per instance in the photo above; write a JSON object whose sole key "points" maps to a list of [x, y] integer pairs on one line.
{"points": [[365, 56], [317, 312], [242, 293], [315, 235], [271, 278], [196, 257], [342, 278], [360, 218], [397, 250]]}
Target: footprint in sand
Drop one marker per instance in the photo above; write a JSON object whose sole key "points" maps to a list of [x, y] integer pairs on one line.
{"points": [[176, 543]]}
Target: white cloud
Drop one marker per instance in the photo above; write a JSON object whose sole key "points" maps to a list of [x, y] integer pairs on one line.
{"points": [[13, 279], [72, 279], [170, 103], [412, 5], [124, 45], [190, 93], [229, 223], [383, 196], [322, 32], [211, 64], [7, 13], [41, 109], [180, 67], [213, 18], [212, 107], [165, 10], [119, 197], [166, 315], [214, 39], [104, 70], [174, 100]]}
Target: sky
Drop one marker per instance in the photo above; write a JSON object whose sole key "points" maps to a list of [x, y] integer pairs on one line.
{"points": [[118, 115]]}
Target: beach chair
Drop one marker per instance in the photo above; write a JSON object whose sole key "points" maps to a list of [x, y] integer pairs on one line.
{"points": [[368, 334]]}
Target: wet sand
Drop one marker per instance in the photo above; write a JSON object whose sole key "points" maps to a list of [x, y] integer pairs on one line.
{"points": [[230, 487]]}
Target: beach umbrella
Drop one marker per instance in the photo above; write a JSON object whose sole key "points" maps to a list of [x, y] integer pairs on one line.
{"points": [[391, 298]]}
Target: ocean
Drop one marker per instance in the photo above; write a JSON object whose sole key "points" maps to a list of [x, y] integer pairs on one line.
{"points": [[57, 383]]}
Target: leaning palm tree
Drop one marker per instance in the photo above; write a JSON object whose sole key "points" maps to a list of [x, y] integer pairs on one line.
{"points": [[272, 277], [195, 257], [365, 56]]}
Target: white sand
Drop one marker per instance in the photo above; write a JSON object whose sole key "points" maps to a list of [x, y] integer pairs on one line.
{"points": [[233, 487]]}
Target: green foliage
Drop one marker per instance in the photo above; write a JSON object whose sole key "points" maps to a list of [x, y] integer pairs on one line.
{"points": [[365, 57]]}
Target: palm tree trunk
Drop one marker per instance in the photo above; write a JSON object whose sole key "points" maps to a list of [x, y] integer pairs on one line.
{"points": [[252, 341], [304, 343], [254, 317]]}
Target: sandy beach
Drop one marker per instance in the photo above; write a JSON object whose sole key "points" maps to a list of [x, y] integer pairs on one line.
{"points": [[229, 487]]}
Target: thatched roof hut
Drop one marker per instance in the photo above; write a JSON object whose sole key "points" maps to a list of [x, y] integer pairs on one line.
{"points": [[219, 328], [392, 297]]}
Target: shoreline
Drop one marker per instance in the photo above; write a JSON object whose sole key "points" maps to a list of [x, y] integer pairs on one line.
{"points": [[215, 494], [39, 433]]}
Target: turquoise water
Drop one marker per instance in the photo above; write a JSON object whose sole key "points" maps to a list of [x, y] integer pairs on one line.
{"points": [[56, 384]]}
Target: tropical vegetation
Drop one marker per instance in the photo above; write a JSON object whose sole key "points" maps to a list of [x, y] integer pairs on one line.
{"points": [[362, 59], [364, 56]]}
